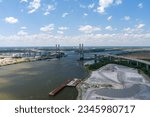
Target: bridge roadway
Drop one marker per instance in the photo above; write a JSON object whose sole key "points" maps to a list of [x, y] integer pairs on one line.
{"points": [[126, 58]]}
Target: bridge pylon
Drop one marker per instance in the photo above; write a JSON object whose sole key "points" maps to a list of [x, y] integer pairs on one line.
{"points": [[81, 51]]}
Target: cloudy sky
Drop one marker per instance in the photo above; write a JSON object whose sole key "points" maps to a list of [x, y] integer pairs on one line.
{"points": [[70, 22]]}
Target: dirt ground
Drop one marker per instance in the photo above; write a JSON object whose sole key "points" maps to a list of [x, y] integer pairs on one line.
{"points": [[138, 55]]}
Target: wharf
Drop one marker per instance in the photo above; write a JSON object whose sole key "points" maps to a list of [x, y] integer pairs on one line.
{"points": [[74, 82], [69, 83]]}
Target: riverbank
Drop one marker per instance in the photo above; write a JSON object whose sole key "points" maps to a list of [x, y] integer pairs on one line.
{"points": [[114, 82], [4, 61], [10, 61]]}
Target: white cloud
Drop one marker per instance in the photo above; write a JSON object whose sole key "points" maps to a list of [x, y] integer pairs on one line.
{"points": [[23, 28], [49, 9], [60, 32], [85, 14], [139, 26], [128, 30], [65, 14], [88, 29], [109, 18], [44, 39], [140, 5], [103, 4], [127, 18], [137, 29], [34, 5], [22, 33], [90, 6], [11, 20], [63, 28], [118, 2], [23, 1], [82, 6], [47, 28], [109, 28]]}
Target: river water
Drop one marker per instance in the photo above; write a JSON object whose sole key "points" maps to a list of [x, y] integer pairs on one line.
{"points": [[34, 80]]}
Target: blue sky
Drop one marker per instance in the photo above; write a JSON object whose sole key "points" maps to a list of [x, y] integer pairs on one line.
{"points": [[70, 22]]}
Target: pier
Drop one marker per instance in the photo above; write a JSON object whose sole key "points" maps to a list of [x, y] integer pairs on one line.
{"points": [[74, 82], [68, 83]]}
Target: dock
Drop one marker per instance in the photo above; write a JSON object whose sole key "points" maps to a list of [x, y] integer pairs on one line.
{"points": [[74, 82], [68, 83]]}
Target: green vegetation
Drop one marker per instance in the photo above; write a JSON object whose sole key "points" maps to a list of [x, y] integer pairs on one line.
{"points": [[132, 64], [96, 65], [146, 60]]}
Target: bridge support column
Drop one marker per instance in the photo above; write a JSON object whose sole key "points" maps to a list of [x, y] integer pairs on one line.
{"points": [[95, 58], [40, 53], [137, 63], [147, 67], [110, 58], [99, 58], [128, 61], [118, 60]]}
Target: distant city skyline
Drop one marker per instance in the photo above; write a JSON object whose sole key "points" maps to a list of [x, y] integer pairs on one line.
{"points": [[70, 22]]}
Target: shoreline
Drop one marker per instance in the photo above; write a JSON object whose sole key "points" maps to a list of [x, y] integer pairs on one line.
{"points": [[79, 92], [13, 61], [78, 86]]}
